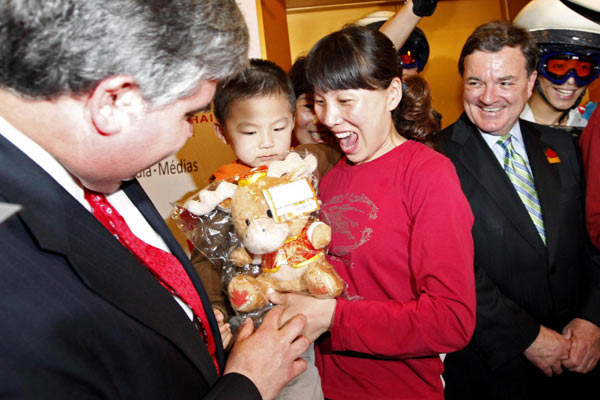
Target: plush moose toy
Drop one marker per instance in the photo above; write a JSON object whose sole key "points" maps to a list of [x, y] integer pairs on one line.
{"points": [[273, 214]]}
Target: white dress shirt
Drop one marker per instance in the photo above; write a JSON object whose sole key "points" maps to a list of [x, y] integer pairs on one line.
{"points": [[517, 142]]}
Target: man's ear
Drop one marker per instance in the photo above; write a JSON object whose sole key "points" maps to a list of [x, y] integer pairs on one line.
{"points": [[113, 102], [394, 93], [531, 83], [220, 132]]}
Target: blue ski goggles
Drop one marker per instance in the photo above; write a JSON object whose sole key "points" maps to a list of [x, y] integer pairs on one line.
{"points": [[559, 67]]}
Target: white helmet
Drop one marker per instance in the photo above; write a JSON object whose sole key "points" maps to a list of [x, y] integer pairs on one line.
{"points": [[565, 22], [567, 33], [376, 16]]}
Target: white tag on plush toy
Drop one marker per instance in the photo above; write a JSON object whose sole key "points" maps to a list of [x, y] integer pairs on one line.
{"points": [[292, 199]]}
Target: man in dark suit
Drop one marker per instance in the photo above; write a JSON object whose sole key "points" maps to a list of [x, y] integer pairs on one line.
{"points": [[91, 93], [537, 333]]}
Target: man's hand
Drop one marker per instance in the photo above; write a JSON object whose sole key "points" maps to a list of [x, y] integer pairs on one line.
{"points": [[585, 347], [270, 356], [319, 312], [424, 8], [548, 350]]}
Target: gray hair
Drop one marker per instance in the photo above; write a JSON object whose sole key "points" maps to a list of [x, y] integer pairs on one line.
{"points": [[50, 48]]}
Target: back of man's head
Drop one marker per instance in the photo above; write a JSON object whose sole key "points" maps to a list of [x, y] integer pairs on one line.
{"points": [[493, 36], [260, 78], [61, 47]]}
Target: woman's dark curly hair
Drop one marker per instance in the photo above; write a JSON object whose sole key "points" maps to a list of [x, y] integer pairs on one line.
{"points": [[416, 118]]}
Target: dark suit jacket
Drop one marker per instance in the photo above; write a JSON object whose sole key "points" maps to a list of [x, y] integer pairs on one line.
{"points": [[520, 282], [81, 317]]}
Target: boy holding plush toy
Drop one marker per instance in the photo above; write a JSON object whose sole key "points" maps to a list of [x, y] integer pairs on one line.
{"points": [[266, 235]]}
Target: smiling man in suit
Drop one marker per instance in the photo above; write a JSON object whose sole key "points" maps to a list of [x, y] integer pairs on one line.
{"points": [[537, 333], [97, 299]]}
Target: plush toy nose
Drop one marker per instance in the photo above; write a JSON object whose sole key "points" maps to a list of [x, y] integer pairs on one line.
{"points": [[264, 235]]}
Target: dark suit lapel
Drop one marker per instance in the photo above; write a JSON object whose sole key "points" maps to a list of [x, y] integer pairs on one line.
{"points": [[62, 225], [114, 273], [547, 182], [139, 197], [482, 164]]}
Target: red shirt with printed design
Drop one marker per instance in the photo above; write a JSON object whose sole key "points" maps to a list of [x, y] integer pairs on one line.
{"points": [[402, 242]]}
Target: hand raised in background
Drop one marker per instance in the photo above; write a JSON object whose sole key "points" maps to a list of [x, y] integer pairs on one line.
{"points": [[424, 8]]}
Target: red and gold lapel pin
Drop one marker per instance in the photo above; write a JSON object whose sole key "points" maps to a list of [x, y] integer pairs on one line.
{"points": [[551, 156]]}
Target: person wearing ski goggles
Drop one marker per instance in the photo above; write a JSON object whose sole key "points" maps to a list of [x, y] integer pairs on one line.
{"points": [[559, 67], [569, 51], [563, 78]]}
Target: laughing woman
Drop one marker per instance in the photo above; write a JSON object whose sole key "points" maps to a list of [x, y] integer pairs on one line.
{"points": [[401, 232]]}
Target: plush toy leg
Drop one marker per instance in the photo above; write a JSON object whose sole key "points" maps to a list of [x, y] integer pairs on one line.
{"points": [[322, 280], [247, 293]]}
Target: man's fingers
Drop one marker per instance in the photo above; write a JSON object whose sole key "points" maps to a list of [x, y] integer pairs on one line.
{"points": [[590, 365], [557, 369], [299, 345], [299, 366], [547, 371], [587, 363], [294, 327], [569, 364], [272, 319], [246, 329]]}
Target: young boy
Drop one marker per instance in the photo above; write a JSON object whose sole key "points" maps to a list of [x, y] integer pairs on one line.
{"points": [[255, 116]]}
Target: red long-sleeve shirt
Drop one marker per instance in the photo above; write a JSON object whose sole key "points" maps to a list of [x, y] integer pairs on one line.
{"points": [[590, 150], [402, 242]]}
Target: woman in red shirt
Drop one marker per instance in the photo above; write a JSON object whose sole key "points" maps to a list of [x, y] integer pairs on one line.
{"points": [[401, 231]]}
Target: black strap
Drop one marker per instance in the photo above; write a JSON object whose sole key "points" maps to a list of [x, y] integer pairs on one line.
{"points": [[583, 11]]}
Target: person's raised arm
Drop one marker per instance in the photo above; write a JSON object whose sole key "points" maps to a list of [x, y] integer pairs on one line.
{"points": [[402, 23]]}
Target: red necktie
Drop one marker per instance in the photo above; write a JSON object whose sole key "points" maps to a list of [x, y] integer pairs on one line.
{"points": [[163, 265]]}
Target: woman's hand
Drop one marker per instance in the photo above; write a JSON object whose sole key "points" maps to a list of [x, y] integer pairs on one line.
{"points": [[318, 312]]}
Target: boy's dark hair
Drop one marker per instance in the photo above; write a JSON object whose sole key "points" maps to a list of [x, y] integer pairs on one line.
{"points": [[260, 78], [494, 36]]}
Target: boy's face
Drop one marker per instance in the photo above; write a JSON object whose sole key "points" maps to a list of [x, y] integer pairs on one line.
{"points": [[258, 129]]}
